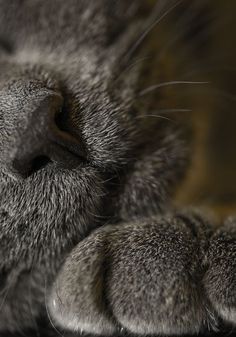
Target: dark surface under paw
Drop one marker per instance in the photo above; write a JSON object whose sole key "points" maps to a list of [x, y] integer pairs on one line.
{"points": [[49, 331]]}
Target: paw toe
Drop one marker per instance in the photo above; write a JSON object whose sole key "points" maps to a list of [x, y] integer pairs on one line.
{"points": [[140, 276], [153, 288], [220, 280], [76, 302]]}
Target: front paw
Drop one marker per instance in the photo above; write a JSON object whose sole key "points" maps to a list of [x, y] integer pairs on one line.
{"points": [[144, 277], [220, 279]]}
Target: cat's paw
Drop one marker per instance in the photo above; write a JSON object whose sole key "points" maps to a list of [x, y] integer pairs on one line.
{"points": [[220, 279], [144, 277]]}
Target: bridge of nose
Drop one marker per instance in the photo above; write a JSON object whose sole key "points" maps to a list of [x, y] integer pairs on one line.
{"points": [[40, 121]]}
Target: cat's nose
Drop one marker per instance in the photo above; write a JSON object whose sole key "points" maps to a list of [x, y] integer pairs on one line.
{"points": [[43, 142]]}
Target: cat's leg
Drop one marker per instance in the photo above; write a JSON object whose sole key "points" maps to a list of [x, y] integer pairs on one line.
{"points": [[144, 276], [220, 279]]}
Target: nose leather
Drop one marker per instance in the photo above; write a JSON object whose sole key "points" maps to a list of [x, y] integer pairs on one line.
{"points": [[42, 138]]}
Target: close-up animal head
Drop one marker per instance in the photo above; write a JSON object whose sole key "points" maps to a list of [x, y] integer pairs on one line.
{"points": [[89, 128], [70, 126]]}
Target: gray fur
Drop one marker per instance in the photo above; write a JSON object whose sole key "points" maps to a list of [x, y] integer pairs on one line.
{"points": [[163, 275], [145, 273]]}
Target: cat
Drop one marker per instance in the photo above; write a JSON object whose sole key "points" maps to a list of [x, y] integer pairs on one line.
{"points": [[90, 159]]}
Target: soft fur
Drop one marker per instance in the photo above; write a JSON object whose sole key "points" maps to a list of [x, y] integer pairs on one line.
{"points": [[148, 268]]}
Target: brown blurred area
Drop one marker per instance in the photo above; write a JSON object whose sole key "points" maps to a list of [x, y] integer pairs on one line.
{"points": [[211, 181], [197, 42]]}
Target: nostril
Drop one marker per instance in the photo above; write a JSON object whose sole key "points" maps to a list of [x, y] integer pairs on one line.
{"points": [[66, 134], [22, 168], [39, 163], [60, 119]]}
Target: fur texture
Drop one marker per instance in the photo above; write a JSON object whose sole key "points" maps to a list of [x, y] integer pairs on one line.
{"points": [[148, 269]]}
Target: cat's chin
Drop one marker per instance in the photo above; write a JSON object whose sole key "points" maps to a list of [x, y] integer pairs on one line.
{"points": [[50, 187], [48, 212]]}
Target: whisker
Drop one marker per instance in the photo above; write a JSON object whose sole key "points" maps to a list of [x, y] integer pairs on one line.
{"points": [[174, 110], [160, 5], [131, 66], [156, 116], [150, 28], [97, 216], [187, 16], [164, 111], [170, 83], [179, 28]]}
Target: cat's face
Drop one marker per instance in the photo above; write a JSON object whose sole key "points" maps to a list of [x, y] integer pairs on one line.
{"points": [[59, 75], [68, 127]]}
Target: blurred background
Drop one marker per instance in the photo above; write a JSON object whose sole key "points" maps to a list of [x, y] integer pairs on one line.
{"points": [[212, 180]]}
